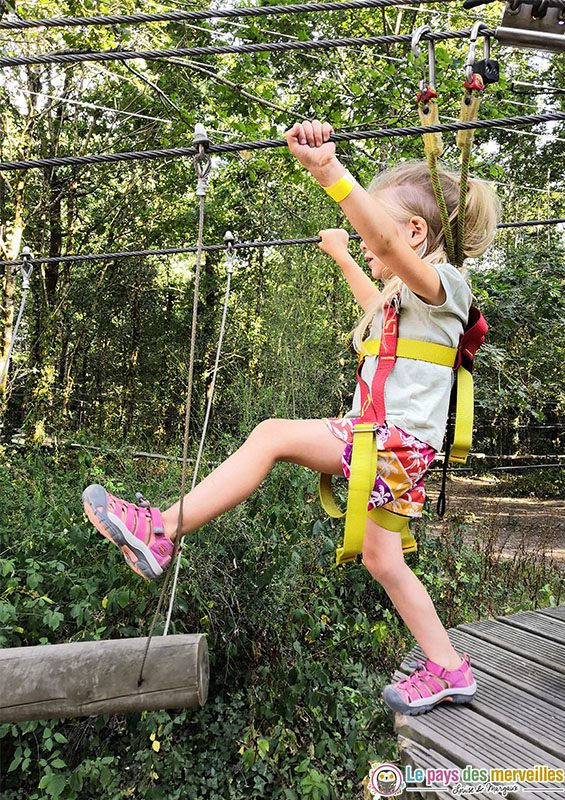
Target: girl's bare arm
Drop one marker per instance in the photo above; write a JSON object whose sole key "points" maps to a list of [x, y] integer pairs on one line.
{"points": [[309, 143], [334, 243]]}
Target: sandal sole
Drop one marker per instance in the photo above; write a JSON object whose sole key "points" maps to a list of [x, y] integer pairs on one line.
{"points": [[136, 553]]}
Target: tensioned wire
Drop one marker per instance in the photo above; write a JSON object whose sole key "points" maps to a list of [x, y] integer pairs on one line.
{"points": [[202, 163], [204, 431], [262, 11], [211, 248], [259, 47], [263, 144], [224, 13]]}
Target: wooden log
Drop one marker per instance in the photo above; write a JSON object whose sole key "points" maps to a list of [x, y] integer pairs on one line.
{"points": [[101, 677]]}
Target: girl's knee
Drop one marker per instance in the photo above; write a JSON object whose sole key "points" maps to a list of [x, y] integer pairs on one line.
{"points": [[269, 435], [266, 430], [384, 565]]}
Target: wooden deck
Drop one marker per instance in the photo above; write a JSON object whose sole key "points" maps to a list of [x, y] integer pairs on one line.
{"points": [[518, 716]]}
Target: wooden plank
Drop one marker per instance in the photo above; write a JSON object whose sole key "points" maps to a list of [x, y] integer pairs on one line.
{"points": [[556, 613], [530, 645], [416, 756], [518, 671], [465, 737], [549, 627], [518, 716], [535, 720], [521, 672], [101, 677]]}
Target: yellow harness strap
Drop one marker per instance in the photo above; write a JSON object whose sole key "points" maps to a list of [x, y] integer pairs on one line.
{"points": [[441, 354], [364, 454], [363, 470]]}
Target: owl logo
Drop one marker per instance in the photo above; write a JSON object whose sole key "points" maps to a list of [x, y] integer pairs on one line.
{"points": [[385, 780]]}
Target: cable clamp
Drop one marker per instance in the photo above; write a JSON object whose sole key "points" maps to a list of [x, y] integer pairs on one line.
{"points": [[27, 266], [229, 240], [202, 158]]}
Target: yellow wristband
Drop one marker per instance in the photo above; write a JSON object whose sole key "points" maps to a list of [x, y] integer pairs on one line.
{"points": [[342, 188]]}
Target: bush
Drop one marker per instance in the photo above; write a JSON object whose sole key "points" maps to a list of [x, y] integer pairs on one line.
{"points": [[300, 649]]}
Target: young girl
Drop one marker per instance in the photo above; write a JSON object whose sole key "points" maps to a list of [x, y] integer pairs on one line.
{"points": [[404, 246]]}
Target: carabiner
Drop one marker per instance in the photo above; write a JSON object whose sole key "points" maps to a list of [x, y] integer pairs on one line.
{"points": [[427, 90], [470, 60]]}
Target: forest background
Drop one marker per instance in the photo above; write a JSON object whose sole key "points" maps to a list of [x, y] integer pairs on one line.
{"points": [[299, 649]]}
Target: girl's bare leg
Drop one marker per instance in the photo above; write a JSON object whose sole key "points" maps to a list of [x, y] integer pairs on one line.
{"points": [[306, 442], [383, 557]]}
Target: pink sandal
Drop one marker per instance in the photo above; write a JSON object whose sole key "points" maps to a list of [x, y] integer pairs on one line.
{"points": [[137, 530], [429, 685]]}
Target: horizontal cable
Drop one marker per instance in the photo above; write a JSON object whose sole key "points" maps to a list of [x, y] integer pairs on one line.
{"points": [[235, 147], [527, 223], [19, 439], [211, 248], [179, 16], [258, 47]]}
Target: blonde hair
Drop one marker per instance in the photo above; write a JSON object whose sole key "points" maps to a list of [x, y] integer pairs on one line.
{"points": [[411, 195]]}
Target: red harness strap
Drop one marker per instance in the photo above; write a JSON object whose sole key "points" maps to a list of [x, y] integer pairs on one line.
{"points": [[373, 402], [472, 338]]}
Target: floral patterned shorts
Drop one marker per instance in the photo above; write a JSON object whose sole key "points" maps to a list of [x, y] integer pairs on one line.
{"points": [[402, 463]]}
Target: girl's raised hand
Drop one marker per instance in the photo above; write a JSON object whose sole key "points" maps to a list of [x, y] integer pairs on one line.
{"points": [[334, 242], [309, 143]]}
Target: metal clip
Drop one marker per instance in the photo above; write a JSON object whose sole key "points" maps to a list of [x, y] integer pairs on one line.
{"points": [[470, 74], [427, 90], [27, 266], [202, 158], [229, 239]]}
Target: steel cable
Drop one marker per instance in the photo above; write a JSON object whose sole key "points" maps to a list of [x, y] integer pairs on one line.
{"points": [[202, 163], [258, 47], [179, 16], [264, 144], [214, 248], [204, 428]]}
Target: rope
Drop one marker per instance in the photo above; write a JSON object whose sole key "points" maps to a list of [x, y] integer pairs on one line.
{"points": [[214, 248], [264, 144], [259, 47], [202, 163], [179, 16], [442, 208], [27, 268], [229, 258]]}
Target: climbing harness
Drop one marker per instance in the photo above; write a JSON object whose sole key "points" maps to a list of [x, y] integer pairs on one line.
{"points": [[389, 347], [373, 414], [26, 270]]}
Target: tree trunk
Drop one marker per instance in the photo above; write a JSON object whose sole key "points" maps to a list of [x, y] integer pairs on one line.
{"points": [[9, 280], [101, 677]]}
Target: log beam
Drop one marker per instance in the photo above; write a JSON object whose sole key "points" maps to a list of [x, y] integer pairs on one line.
{"points": [[101, 677]]}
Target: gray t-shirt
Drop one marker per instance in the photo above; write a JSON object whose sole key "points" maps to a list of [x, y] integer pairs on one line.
{"points": [[417, 392]]}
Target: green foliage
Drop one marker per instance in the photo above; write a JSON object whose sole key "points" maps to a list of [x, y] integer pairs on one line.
{"points": [[300, 649]]}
